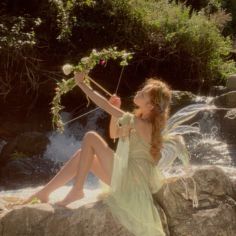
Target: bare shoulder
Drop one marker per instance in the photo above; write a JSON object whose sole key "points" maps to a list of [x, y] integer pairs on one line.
{"points": [[143, 128]]}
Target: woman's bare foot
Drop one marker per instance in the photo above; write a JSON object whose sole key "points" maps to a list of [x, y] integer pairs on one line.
{"points": [[40, 195], [72, 196]]}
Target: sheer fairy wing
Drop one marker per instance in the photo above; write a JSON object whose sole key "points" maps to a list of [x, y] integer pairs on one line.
{"points": [[184, 115], [182, 129], [174, 147]]}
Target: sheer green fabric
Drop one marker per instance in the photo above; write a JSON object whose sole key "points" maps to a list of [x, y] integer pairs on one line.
{"points": [[134, 179]]}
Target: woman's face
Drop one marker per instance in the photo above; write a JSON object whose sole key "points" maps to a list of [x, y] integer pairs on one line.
{"points": [[142, 99]]}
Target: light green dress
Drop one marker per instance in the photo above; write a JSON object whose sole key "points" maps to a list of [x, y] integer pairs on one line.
{"points": [[135, 177]]}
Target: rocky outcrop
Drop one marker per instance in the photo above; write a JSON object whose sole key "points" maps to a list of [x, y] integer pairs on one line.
{"points": [[226, 118], [25, 144], [218, 90], [231, 82], [226, 100], [22, 161], [181, 99], [216, 214]]}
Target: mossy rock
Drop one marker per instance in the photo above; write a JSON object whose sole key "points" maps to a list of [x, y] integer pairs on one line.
{"points": [[27, 144]]}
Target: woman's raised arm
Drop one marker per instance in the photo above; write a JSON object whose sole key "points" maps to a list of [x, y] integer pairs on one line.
{"points": [[97, 98]]}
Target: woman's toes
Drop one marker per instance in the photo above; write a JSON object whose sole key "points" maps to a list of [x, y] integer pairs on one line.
{"points": [[72, 196]]}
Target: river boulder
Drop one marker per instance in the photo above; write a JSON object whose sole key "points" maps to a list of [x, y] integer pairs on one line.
{"points": [[215, 215], [231, 82], [22, 161], [226, 100], [181, 99], [24, 145], [27, 171]]}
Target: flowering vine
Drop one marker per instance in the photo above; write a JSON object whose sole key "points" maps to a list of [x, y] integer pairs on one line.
{"points": [[85, 65]]}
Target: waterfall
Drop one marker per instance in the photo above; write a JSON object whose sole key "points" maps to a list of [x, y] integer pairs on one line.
{"points": [[202, 136], [61, 148]]}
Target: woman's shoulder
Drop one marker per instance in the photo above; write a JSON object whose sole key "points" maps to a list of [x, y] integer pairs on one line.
{"points": [[143, 128]]}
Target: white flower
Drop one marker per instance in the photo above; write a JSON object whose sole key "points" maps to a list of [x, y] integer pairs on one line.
{"points": [[85, 60], [67, 69]]}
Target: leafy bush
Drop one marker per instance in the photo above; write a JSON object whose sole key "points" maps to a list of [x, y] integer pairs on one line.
{"points": [[16, 42], [163, 35], [190, 44], [214, 6], [169, 39]]}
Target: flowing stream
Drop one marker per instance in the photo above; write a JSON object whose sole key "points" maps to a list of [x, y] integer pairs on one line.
{"points": [[206, 148]]}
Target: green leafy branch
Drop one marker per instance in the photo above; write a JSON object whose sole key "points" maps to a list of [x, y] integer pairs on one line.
{"points": [[85, 65]]}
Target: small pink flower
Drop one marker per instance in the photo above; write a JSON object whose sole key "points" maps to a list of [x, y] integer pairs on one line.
{"points": [[102, 62]]}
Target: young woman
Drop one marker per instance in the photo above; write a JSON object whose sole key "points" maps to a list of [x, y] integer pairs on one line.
{"points": [[132, 171]]}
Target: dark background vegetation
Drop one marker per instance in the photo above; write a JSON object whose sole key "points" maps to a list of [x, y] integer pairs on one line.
{"points": [[189, 44]]}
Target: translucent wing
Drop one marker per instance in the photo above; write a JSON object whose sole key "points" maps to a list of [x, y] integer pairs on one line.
{"points": [[174, 145], [183, 115]]}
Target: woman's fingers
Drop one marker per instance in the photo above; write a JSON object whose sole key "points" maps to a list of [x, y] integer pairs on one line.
{"points": [[115, 100]]}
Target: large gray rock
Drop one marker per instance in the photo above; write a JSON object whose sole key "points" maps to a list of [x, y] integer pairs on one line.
{"points": [[231, 82], [21, 160], [181, 99], [24, 145], [226, 100], [218, 90], [216, 214], [44, 219]]}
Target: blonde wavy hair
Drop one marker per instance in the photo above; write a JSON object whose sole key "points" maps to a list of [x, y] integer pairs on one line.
{"points": [[160, 96]]}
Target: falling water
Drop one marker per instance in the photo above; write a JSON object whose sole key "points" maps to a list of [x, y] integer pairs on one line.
{"points": [[206, 146], [60, 149], [209, 147]]}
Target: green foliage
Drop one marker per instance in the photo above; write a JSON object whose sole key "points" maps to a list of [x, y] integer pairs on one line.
{"points": [[36, 38], [35, 200], [14, 32], [18, 155], [186, 39], [66, 18], [214, 6], [85, 65], [17, 39]]}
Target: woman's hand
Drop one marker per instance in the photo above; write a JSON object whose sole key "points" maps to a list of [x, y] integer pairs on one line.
{"points": [[115, 100], [79, 77]]}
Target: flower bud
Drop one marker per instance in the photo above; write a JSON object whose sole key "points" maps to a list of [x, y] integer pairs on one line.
{"points": [[102, 62], [67, 69]]}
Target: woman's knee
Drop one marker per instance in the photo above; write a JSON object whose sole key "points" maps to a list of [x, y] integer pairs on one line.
{"points": [[90, 135], [76, 155]]}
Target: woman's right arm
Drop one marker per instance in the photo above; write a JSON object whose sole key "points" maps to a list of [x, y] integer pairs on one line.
{"points": [[98, 99], [115, 101]]}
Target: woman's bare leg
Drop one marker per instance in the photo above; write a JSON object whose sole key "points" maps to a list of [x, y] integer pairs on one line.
{"points": [[68, 172], [92, 145]]}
